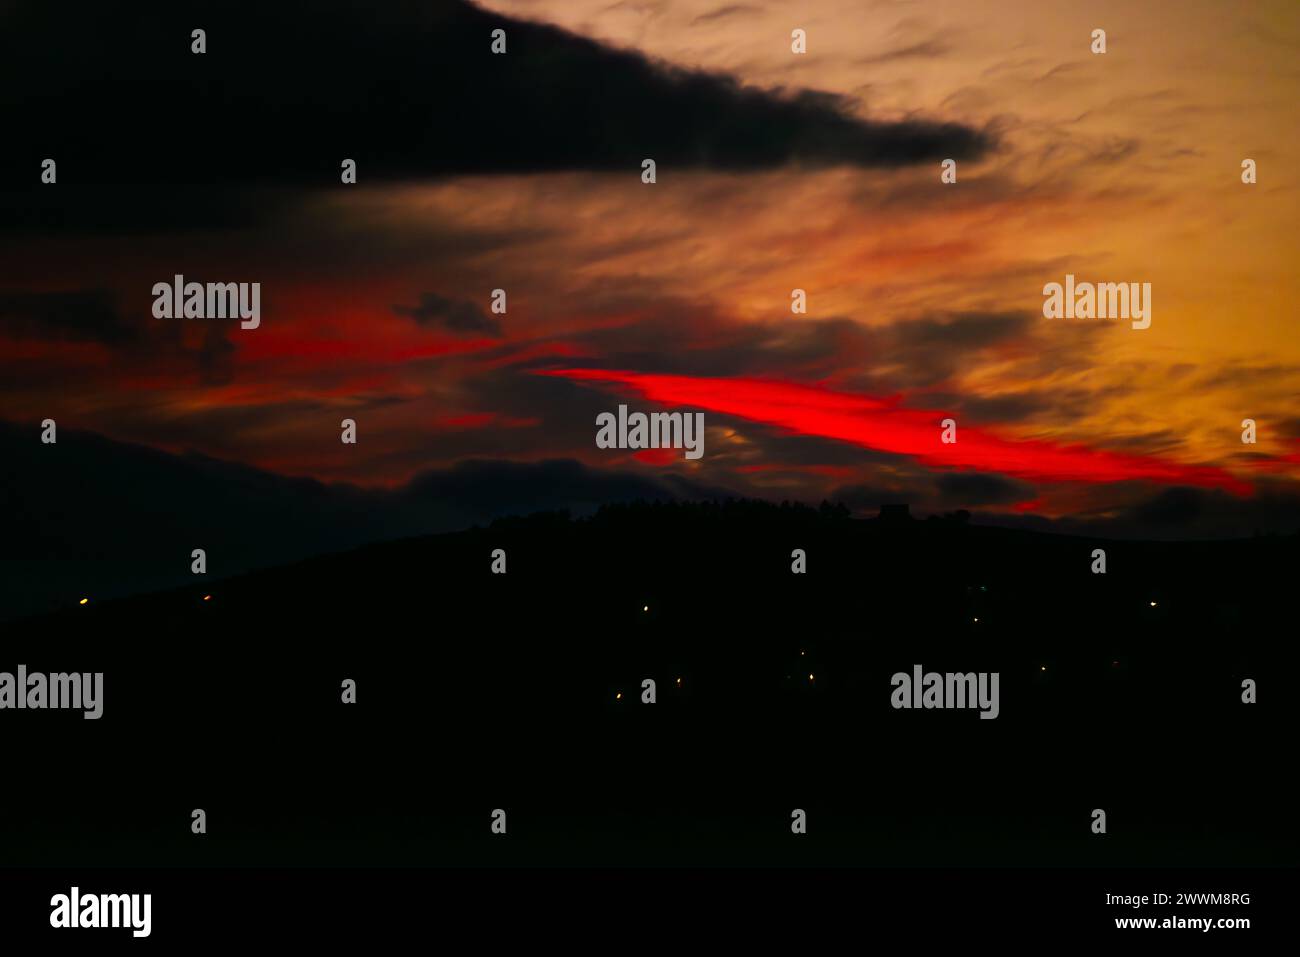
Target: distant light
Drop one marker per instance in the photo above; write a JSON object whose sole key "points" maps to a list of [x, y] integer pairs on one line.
{"points": [[977, 619], [83, 601], [1042, 668], [645, 607], [802, 652], [207, 598], [679, 681], [810, 677], [1153, 604], [619, 696]]}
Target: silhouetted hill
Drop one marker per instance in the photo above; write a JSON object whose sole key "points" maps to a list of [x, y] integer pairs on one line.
{"points": [[92, 516], [479, 690]]}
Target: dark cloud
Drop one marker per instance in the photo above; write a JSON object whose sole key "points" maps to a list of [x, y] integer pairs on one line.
{"points": [[1171, 507], [283, 98], [920, 351], [1234, 374], [1063, 69], [932, 349], [929, 492], [82, 202], [1289, 427], [216, 357], [136, 340], [764, 445], [1157, 442], [1056, 405], [981, 488], [722, 13], [991, 410], [1067, 148], [80, 316], [451, 314], [89, 515], [963, 330], [484, 489], [867, 498], [1181, 514], [926, 49]]}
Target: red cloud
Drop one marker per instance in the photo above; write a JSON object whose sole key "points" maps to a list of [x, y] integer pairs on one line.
{"points": [[883, 425]]}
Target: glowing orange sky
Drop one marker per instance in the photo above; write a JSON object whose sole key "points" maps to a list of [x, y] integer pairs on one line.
{"points": [[1122, 167]]}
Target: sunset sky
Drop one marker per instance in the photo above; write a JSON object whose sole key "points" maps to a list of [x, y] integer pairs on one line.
{"points": [[924, 299]]}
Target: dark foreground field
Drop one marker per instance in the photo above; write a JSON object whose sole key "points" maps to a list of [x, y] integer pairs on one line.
{"points": [[479, 691]]}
